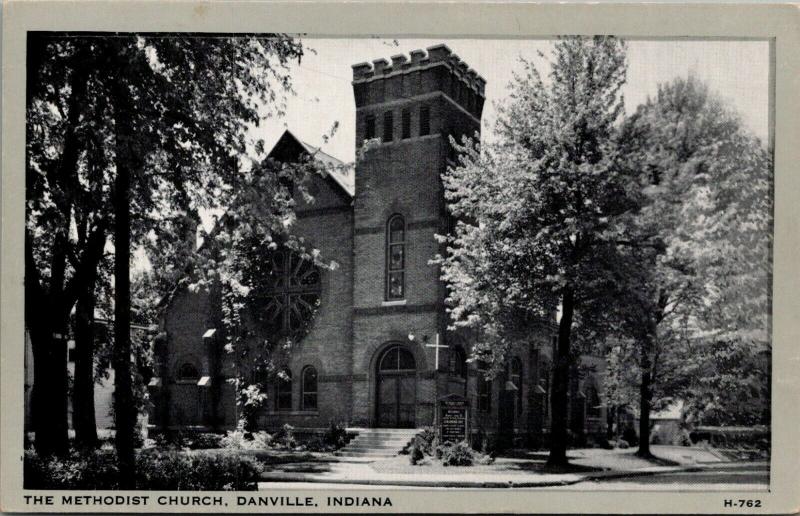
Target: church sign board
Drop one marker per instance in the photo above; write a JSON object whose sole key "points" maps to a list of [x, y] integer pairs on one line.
{"points": [[453, 418]]}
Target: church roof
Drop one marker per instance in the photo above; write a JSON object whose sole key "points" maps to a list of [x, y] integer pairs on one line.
{"points": [[341, 174]]}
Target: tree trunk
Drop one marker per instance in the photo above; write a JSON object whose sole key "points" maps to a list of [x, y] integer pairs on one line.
{"points": [[645, 399], [47, 309], [83, 413], [49, 401], [46, 323], [558, 397], [83, 410], [124, 408]]}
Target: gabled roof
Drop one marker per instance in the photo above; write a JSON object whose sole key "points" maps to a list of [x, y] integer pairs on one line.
{"points": [[342, 175]]}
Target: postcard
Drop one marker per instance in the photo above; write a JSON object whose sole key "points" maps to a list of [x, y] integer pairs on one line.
{"points": [[417, 257]]}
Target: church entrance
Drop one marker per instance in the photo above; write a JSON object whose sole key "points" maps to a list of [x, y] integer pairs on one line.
{"points": [[397, 388]]}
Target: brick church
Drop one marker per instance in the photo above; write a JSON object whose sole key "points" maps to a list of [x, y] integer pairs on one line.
{"points": [[376, 352]]}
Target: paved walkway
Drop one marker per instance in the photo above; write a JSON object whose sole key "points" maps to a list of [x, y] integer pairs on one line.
{"points": [[522, 470]]}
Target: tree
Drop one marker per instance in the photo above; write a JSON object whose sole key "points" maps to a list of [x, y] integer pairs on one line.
{"points": [[705, 221], [156, 124], [63, 240], [540, 212]]}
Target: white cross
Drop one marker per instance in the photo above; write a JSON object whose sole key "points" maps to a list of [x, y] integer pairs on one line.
{"points": [[436, 346]]}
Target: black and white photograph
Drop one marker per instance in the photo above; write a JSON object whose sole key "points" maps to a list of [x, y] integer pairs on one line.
{"points": [[381, 258], [264, 261]]}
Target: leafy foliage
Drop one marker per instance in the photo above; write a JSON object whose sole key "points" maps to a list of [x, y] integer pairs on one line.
{"points": [[174, 111], [97, 469], [704, 242], [457, 454], [541, 211]]}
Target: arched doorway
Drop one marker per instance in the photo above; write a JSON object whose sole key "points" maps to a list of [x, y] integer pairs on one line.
{"points": [[397, 388]]}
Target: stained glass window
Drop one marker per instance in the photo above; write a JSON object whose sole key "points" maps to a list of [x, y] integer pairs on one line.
{"points": [[283, 390], [309, 386], [395, 258], [286, 290]]}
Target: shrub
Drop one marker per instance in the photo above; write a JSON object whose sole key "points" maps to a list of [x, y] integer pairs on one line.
{"points": [[459, 454], [416, 455], [488, 444], [623, 444], [439, 450], [197, 471], [424, 440], [240, 440], [483, 459], [335, 435], [682, 439], [93, 469], [284, 438], [629, 435], [171, 470]]}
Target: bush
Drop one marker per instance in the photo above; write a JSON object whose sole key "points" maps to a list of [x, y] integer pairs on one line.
{"points": [[335, 436], [416, 455], [682, 439], [438, 452], [424, 440], [459, 454], [93, 469], [197, 471], [629, 435], [240, 440], [172, 470], [284, 438], [623, 444]]}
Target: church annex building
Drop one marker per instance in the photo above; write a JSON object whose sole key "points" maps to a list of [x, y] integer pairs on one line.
{"points": [[377, 352]]}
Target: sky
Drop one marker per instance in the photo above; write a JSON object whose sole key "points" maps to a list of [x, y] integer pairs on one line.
{"points": [[736, 70]]}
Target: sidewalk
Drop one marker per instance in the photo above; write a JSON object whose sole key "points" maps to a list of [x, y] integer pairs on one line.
{"points": [[526, 470]]}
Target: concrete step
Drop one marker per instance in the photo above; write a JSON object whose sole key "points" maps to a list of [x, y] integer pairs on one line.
{"points": [[373, 438], [377, 442], [361, 453], [393, 449], [387, 431], [382, 442]]}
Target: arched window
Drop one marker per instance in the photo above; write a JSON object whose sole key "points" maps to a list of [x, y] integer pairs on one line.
{"points": [[593, 402], [283, 390], [188, 372], [516, 379], [457, 365], [308, 397], [397, 358], [484, 389], [395, 258], [285, 291]]}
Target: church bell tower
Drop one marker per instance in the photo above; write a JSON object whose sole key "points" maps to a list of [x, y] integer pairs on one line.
{"points": [[406, 111]]}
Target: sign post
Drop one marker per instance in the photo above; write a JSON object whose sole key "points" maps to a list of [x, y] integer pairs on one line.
{"points": [[453, 419]]}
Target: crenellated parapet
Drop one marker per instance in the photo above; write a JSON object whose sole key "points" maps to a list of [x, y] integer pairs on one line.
{"points": [[419, 72]]}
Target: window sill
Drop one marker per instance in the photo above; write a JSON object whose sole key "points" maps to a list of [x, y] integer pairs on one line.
{"points": [[398, 302]]}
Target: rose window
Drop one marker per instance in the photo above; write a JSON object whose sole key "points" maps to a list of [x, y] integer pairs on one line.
{"points": [[286, 291]]}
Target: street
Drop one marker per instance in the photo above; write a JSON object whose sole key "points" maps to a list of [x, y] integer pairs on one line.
{"points": [[753, 476], [725, 477]]}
